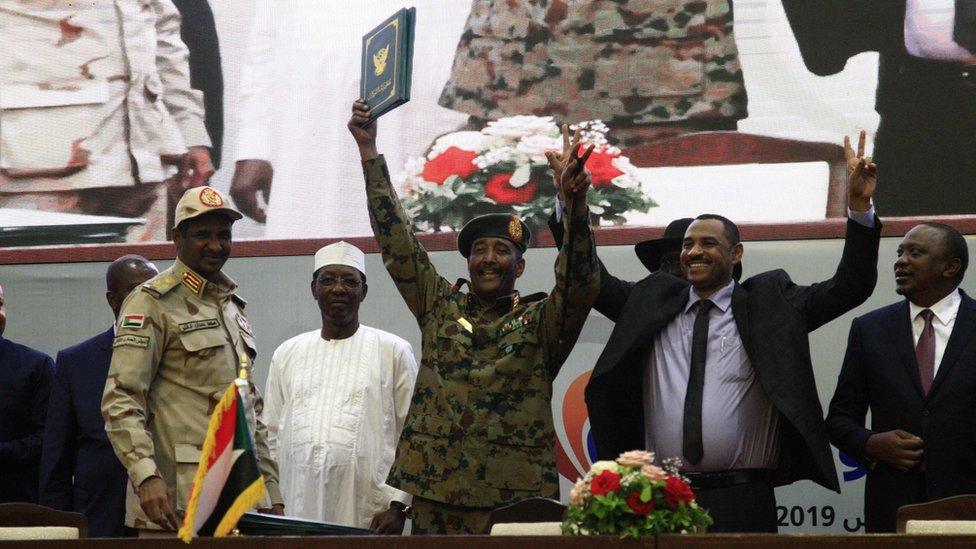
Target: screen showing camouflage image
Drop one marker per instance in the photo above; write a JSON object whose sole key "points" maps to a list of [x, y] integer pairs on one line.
{"points": [[108, 110]]}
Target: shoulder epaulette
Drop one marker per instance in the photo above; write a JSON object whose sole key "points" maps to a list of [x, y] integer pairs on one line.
{"points": [[161, 284], [239, 300]]}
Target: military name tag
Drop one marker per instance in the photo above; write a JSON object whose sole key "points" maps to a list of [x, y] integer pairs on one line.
{"points": [[199, 325], [131, 341]]}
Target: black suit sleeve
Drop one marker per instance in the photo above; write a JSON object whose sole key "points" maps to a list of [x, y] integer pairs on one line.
{"points": [[29, 448], [829, 32], [613, 291], [850, 286], [845, 416], [199, 32], [57, 455]]}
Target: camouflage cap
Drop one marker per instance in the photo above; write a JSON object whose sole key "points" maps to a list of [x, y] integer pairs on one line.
{"points": [[507, 226], [203, 200]]}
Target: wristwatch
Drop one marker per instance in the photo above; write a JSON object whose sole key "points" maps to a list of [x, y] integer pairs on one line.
{"points": [[405, 510]]}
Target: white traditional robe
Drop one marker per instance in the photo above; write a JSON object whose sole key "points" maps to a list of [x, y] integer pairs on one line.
{"points": [[298, 82], [334, 411]]}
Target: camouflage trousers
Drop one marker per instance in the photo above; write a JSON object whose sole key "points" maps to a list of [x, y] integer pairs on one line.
{"points": [[436, 518], [155, 202]]}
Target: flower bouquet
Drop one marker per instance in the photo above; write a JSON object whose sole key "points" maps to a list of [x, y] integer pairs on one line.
{"points": [[503, 168], [632, 497]]}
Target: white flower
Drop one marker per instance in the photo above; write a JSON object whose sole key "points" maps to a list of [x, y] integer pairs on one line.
{"points": [[604, 465], [468, 141], [495, 156], [514, 127], [536, 146]]}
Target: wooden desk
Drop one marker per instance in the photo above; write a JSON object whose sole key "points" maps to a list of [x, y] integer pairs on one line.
{"points": [[709, 541]]}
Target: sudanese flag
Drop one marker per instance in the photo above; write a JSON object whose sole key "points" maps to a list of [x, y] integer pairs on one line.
{"points": [[228, 482]]}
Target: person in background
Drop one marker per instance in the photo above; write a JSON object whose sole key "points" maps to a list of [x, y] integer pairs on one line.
{"points": [[335, 403], [97, 112], [25, 382], [79, 470], [913, 365]]}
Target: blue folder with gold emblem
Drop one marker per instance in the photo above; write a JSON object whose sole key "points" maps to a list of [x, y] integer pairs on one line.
{"points": [[387, 63]]}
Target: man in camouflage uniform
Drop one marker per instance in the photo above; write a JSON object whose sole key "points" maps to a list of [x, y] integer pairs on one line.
{"points": [[95, 104], [649, 69], [480, 431], [179, 342]]}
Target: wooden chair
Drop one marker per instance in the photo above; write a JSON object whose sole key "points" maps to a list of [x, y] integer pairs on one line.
{"points": [[28, 515], [531, 510], [730, 147], [947, 509]]}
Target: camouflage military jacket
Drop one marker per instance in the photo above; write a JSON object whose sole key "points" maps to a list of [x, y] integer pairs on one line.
{"points": [[93, 93], [626, 62], [480, 432], [176, 349]]}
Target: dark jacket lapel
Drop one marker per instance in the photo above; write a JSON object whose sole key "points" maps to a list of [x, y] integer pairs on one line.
{"points": [[963, 332]]}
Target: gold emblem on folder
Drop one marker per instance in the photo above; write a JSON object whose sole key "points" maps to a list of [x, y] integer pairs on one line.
{"points": [[379, 60]]}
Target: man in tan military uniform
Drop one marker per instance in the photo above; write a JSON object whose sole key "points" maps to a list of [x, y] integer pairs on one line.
{"points": [[649, 69], [95, 105], [480, 432], [180, 340]]}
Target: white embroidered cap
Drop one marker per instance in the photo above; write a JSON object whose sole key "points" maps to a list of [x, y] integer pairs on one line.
{"points": [[340, 253]]}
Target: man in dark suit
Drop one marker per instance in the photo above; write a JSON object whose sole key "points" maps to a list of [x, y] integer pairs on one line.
{"points": [[913, 363], [79, 470], [737, 401], [926, 91], [25, 381]]}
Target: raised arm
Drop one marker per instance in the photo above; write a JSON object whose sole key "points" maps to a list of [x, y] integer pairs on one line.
{"points": [[613, 291], [404, 257], [857, 272], [577, 269]]}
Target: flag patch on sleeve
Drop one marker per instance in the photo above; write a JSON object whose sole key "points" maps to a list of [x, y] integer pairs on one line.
{"points": [[133, 321]]}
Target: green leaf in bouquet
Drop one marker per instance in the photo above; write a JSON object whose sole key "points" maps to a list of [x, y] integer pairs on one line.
{"points": [[645, 494]]}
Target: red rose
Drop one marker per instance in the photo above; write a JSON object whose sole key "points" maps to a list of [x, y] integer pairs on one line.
{"points": [[602, 170], [499, 189], [604, 483], [453, 161], [637, 506], [676, 491]]}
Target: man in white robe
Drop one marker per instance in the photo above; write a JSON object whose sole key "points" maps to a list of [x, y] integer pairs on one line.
{"points": [[335, 404]]}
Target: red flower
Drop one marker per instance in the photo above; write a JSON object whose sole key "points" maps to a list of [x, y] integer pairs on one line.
{"points": [[676, 491], [638, 506], [604, 483], [602, 170], [501, 191], [453, 161]]}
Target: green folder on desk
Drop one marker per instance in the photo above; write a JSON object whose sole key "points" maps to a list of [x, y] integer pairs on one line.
{"points": [[387, 63], [256, 524]]}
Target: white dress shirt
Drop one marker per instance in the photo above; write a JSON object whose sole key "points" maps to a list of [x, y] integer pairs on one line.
{"points": [[334, 411], [943, 319]]}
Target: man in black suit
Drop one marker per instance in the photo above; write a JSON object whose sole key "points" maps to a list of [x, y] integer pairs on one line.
{"points": [[737, 401], [913, 363], [926, 91], [79, 470], [25, 382]]}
